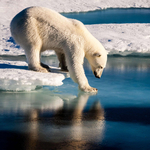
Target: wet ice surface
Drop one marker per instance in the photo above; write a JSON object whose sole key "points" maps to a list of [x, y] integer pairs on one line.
{"points": [[63, 118]]}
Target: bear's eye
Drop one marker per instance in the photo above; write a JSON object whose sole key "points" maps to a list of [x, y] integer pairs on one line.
{"points": [[100, 67], [97, 54]]}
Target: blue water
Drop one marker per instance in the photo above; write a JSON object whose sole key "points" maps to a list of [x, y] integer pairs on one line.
{"points": [[117, 15], [117, 117]]}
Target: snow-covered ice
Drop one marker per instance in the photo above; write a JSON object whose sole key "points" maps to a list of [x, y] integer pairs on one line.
{"points": [[15, 76], [74, 5], [121, 39], [111, 36]]}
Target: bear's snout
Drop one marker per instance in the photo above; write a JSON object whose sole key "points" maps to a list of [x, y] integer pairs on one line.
{"points": [[96, 75], [98, 72]]}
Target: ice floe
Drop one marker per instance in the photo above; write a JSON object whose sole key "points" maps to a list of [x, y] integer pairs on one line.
{"points": [[25, 101], [121, 39], [74, 5], [115, 38], [15, 76]]}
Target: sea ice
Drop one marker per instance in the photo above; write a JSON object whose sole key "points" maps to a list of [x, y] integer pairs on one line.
{"points": [[23, 101], [73, 6], [115, 38], [14, 76], [123, 39]]}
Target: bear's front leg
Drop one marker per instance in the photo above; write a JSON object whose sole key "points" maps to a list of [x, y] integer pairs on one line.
{"points": [[78, 75], [83, 82]]}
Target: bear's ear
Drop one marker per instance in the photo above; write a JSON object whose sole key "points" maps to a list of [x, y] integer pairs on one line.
{"points": [[97, 54]]}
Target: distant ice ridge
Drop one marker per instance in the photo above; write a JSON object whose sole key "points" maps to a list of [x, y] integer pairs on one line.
{"points": [[14, 76]]}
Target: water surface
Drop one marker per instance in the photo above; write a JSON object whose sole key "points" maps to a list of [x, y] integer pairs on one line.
{"points": [[115, 15], [118, 117]]}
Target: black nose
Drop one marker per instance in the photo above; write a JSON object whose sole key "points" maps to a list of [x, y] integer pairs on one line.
{"points": [[96, 75]]}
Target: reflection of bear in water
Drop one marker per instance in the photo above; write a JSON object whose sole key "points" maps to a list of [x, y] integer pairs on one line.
{"points": [[37, 29], [70, 127], [73, 110]]}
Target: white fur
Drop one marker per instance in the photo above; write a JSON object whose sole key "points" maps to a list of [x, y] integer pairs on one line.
{"points": [[37, 29]]}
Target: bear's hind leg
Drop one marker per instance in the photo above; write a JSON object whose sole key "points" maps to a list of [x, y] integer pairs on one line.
{"points": [[62, 61], [33, 59], [46, 66]]}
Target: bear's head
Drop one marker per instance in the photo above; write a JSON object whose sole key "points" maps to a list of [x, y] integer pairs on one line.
{"points": [[97, 60]]}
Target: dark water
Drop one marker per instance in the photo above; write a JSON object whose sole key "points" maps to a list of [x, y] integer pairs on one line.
{"points": [[118, 117], [126, 15]]}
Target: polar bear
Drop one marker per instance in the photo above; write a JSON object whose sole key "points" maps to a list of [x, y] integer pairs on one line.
{"points": [[37, 29]]}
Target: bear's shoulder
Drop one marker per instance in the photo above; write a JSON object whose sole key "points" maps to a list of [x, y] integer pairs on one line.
{"points": [[77, 23]]}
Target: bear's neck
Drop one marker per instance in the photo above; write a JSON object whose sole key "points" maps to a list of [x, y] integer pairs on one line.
{"points": [[91, 44]]}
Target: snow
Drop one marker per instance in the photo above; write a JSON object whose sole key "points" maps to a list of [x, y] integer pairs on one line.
{"points": [[123, 39], [115, 38], [8, 45], [73, 5], [120, 39], [15, 76]]}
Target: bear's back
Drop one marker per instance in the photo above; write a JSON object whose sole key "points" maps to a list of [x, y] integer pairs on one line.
{"points": [[41, 14], [46, 24]]}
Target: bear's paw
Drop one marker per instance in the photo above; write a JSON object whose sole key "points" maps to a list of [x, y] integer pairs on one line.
{"points": [[89, 89], [39, 69]]}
